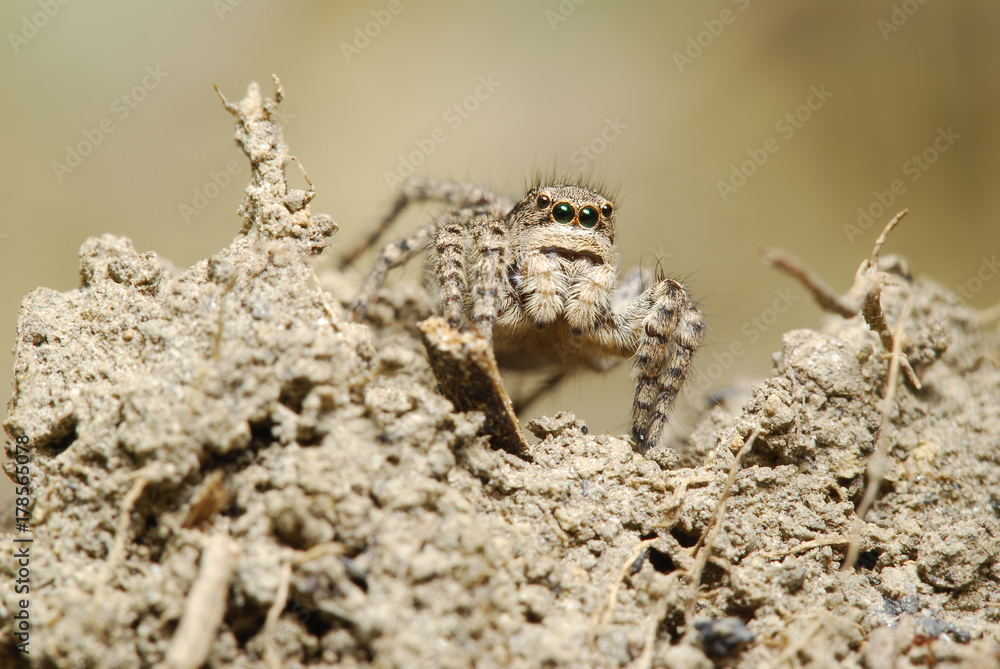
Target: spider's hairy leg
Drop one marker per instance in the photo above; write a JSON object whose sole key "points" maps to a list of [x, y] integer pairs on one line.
{"points": [[588, 301], [393, 255], [414, 191], [543, 288], [448, 266], [670, 328], [489, 273]]}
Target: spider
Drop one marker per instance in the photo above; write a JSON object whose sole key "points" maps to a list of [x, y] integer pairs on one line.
{"points": [[538, 278]]}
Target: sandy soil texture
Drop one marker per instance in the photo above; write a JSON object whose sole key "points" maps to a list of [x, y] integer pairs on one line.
{"points": [[224, 470]]}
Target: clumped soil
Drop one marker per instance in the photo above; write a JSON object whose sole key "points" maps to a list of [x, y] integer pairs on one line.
{"points": [[375, 526]]}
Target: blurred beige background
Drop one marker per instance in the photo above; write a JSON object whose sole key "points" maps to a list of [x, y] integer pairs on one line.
{"points": [[835, 105]]}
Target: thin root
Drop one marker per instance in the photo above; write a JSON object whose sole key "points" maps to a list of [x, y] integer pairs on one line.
{"points": [[325, 303], [316, 552], [821, 292], [645, 659], [802, 641], [873, 261], [602, 616], [877, 463], [875, 317], [273, 613], [701, 559], [121, 530]]}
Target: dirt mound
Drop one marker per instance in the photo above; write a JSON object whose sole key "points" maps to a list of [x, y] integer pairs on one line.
{"points": [[223, 468]]}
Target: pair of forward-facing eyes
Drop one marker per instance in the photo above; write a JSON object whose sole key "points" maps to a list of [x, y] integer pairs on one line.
{"points": [[564, 212]]}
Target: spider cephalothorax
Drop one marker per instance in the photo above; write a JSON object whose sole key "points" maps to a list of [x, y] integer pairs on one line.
{"points": [[538, 277]]}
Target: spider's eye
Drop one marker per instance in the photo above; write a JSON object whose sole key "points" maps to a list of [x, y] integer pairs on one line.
{"points": [[606, 211], [588, 217], [563, 212], [543, 201]]}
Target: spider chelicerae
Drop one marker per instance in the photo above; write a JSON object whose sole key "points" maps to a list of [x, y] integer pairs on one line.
{"points": [[538, 278]]}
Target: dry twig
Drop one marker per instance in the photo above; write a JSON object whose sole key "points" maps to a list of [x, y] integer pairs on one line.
{"points": [[205, 605], [864, 297], [211, 499], [837, 540]]}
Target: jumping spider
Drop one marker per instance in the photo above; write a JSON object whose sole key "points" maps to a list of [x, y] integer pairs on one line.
{"points": [[538, 278]]}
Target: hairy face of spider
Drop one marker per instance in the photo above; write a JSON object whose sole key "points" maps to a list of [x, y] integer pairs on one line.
{"points": [[572, 222]]}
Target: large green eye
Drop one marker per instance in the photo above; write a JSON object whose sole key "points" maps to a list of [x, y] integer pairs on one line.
{"points": [[588, 217], [563, 212]]}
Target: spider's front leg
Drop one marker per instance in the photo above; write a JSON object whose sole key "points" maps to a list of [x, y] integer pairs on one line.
{"points": [[459, 243], [393, 255], [416, 190], [489, 273], [464, 363], [449, 270], [670, 329]]}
